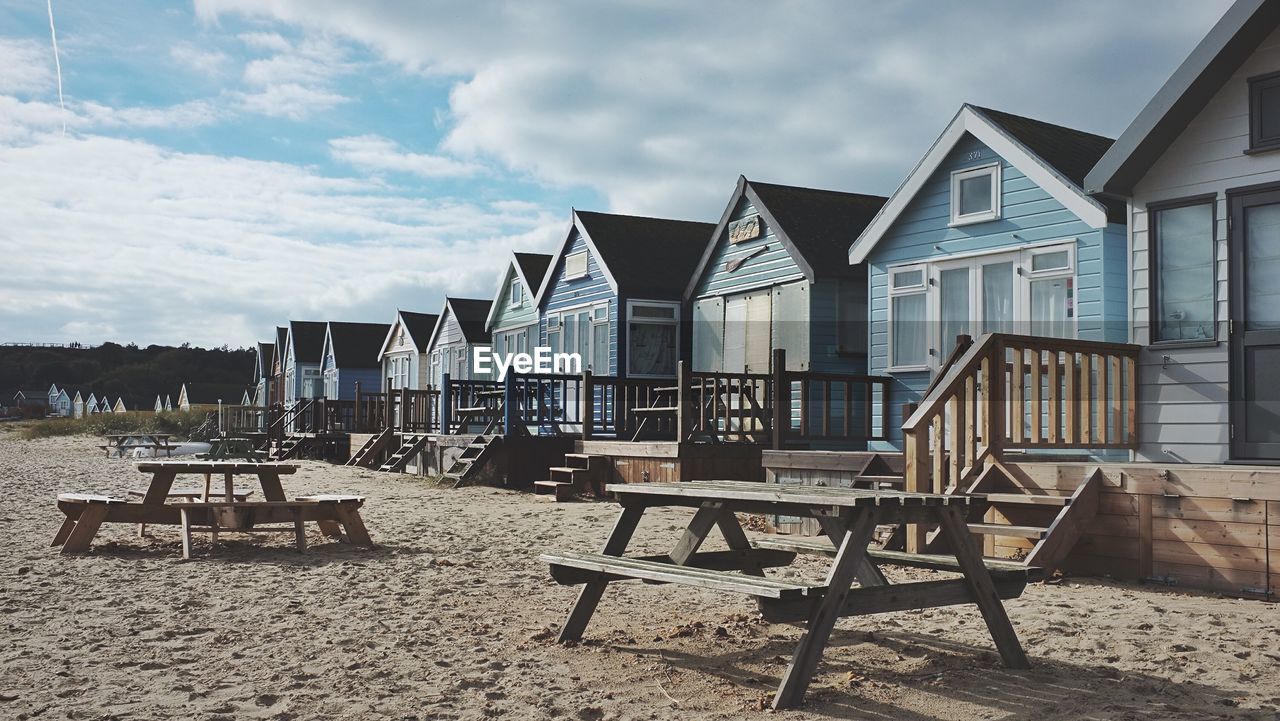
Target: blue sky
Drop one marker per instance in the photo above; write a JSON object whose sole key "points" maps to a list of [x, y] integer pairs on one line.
{"points": [[230, 164]]}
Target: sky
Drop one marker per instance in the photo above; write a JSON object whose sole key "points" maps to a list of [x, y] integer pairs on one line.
{"points": [[216, 168]]}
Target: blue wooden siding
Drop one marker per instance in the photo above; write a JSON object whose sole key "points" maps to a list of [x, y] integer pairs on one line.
{"points": [[591, 289], [775, 265], [348, 377], [922, 233]]}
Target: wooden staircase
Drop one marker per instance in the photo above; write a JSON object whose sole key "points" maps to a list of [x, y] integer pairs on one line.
{"points": [[369, 453], [411, 444], [582, 474], [465, 469], [292, 446]]}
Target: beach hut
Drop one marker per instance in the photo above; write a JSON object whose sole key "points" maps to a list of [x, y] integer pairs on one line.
{"points": [[350, 356], [1200, 172], [119, 406], [513, 316], [31, 398], [991, 232], [91, 405], [304, 345], [52, 395], [774, 275], [61, 404], [613, 293], [458, 332], [208, 396], [404, 352], [260, 385], [275, 390], [168, 403], [78, 406]]}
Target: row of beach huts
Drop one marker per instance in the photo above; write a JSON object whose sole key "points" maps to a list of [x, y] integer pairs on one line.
{"points": [[67, 402]]}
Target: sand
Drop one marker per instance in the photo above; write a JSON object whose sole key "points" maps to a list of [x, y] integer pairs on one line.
{"points": [[452, 616]]}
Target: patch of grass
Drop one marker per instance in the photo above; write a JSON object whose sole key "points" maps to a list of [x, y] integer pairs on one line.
{"points": [[192, 425]]}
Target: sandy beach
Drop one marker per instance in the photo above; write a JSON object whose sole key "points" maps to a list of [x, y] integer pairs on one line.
{"points": [[453, 617]]}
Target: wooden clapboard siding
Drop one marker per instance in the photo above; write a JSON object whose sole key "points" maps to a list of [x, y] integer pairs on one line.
{"points": [[449, 338], [507, 318], [593, 288], [1207, 158], [922, 234], [775, 265]]}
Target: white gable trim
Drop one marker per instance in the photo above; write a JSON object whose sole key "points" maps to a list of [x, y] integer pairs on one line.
{"points": [[444, 315], [564, 247], [327, 349], [503, 284], [973, 122]]}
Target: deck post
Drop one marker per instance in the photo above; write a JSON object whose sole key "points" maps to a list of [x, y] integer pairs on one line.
{"points": [[446, 404], [404, 407], [683, 416], [388, 419], [356, 425], [994, 417], [781, 419], [509, 417], [588, 405]]}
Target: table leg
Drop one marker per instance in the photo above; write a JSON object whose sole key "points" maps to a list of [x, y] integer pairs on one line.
{"points": [[64, 531], [592, 591], [299, 531], [186, 534], [978, 578], [735, 537], [825, 613], [230, 486], [331, 529], [158, 491], [271, 488], [86, 528], [703, 521], [357, 534], [208, 485], [867, 572]]}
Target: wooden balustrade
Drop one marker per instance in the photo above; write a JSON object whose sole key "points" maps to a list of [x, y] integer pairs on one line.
{"points": [[1019, 392]]}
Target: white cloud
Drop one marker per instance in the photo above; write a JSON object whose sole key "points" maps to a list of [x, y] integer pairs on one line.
{"points": [[289, 100], [376, 153], [210, 62], [661, 105], [162, 246], [26, 66]]}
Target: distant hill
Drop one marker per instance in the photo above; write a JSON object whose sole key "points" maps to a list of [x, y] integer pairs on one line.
{"points": [[138, 374]]}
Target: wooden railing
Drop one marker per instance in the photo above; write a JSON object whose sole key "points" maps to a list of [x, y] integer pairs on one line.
{"points": [[1019, 392], [405, 410]]}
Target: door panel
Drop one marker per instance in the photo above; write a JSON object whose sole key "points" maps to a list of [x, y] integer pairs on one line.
{"points": [[1255, 332]]}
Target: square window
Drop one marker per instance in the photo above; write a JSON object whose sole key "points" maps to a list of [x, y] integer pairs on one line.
{"points": [[1264, 112], [975, 194], [575, 265]]}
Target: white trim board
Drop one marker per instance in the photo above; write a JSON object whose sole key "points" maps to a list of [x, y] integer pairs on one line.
{"points": [[972, 121], [559, 254]]}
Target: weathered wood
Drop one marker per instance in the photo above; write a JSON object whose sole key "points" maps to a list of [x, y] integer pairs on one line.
{"points": [[703, 521], [1055, 396], [865, 570], [826, 612], [1069, 525], [589, 597], [931, 561], [888, 599], [776, 493], [186, 533], [564, 567], [1144, 536], [1037, 395], [1086, 394], [86, 527], [1016, 395]]}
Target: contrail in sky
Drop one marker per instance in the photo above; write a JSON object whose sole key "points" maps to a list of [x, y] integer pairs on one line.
{"points": [[58, 65]]}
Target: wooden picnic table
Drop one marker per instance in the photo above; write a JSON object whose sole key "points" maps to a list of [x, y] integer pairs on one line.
{"points": [[227, 510], [119, 443], [228, 448], [847, 516]]}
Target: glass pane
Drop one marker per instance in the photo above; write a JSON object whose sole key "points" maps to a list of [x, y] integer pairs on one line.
{"points": [[584, 335], [955, 306], [553, 341], [653, 349], [975, 194], [653, 311], [1057, 260], [1049, 308], [908, 330], [997, 298], [908, 279], [570, 337], [1184, 281], [600, 349], [1269, 112], [1262, 267]]}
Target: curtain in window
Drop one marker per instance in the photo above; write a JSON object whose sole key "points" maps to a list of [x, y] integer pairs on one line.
{"points": [[909, 330], [652, 349], [955, 306], [1184, 282], [997, 297]]}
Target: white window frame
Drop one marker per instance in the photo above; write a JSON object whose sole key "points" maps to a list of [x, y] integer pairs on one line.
{"points": [[570, 274], [1023, 277], [674, 321], [516, 294], [992, 169], [556, 325], [921, 289]]}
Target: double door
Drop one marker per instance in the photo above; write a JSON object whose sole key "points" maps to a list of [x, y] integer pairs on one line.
{"points": [[1255, 325]]}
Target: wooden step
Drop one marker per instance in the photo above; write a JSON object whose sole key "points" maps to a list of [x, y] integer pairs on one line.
{"points": [[1025, 499], [999, 529], [560, 491]]}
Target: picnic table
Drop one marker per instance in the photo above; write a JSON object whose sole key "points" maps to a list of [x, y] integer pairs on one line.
{"points": [[228, 448], [848, 518], [121, 443], [224, 510]]}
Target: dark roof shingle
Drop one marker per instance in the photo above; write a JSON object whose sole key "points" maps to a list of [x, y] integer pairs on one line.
{"points": [[356, 345], [420, 326], [820, 223], [654, 256], [308, 340], [472, 316], [534, 268]]}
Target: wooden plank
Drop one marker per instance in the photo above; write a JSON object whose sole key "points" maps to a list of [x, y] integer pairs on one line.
{"points": [[589, 597], [87, 524], [956, 425], [1018, 411], [1208, 509], [1117, 404], [1248, 535], [565, 569], [1210, 555], [888, 599], [1071, 423], [1037, 398], [1100, 404], [1217, 579], [1086, 395], [1055, 397], [1131, 401], [1145, 549], [970, 406], [941, 481]]}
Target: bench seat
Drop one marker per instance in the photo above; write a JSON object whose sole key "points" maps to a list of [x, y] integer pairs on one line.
{"points": [[1007, 570], [614, 568], [88, 498]]}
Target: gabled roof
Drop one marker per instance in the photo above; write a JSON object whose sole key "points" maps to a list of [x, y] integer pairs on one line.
{"points": [[1020, 141], [263, 360], [419, 326], [202, 394], [282, 339], [1231, 41], [356, 345], [639, 256], [470, 314], [814, 225], [531, 269], [307, 337]]}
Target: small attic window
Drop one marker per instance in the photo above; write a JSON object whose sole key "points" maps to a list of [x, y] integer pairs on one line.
{"points": [[1264, 112], [575, 265], [975, 194], [516, 296]]}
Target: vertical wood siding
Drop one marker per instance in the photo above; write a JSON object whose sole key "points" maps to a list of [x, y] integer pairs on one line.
{"points": [[1184, 393]]}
